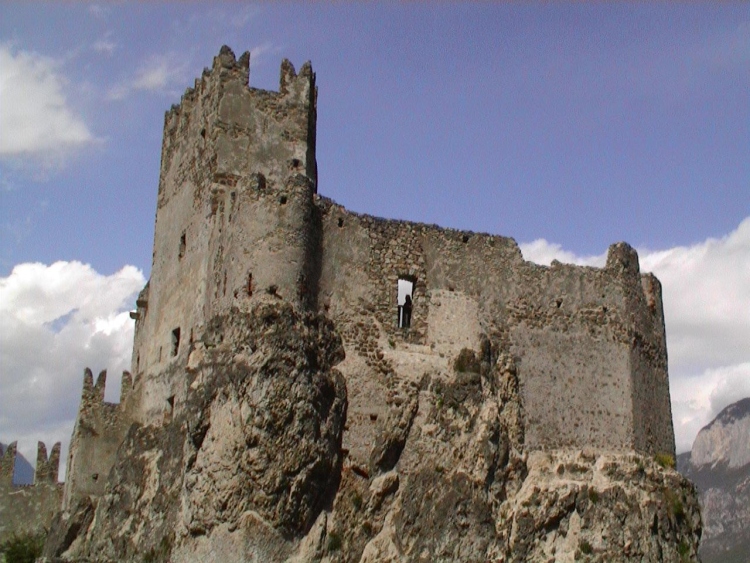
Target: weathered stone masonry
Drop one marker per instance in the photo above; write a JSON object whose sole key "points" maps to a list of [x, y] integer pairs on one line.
{"points": [[28, 509], [239, 216], [239, 221]]}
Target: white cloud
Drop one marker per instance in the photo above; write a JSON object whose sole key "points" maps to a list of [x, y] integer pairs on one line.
{"points": [[697, 400], [542, 252], [160, 73], [35, 117], [706, 292], [54, 321], [104, 46]]}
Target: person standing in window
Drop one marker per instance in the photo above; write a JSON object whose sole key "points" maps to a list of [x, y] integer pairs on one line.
{"points": [[406, 312]]}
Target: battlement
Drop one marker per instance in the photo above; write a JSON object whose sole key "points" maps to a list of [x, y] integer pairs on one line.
{"points": [[29, 508], [92, 397], [99, 429], [47, 468]]}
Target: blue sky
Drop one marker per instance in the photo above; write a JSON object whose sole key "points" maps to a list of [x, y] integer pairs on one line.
{"points": [[566, 126]]}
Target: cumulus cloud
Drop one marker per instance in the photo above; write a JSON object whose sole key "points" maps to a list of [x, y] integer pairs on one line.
{"points": [[54, 321], [35, 117], [543, 252], [706, 292], [159, 73]]}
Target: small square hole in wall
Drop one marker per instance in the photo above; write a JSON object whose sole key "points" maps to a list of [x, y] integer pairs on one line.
{"points": [[175, 341], [282, 200]]}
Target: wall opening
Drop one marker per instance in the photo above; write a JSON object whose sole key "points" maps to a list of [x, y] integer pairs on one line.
{"points": [[249, 286], [405, 301], [183, 244], [175, 341], [170, 409]]}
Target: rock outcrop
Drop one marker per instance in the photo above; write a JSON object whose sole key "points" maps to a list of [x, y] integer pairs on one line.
{"points": [[249, 461], [719, 465], [252, 469]]}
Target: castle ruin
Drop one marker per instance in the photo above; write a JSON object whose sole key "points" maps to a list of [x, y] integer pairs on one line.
{"points": [[240, 225], [239, 215]]}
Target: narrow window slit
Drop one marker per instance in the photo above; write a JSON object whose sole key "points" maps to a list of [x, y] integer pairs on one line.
{"points": [[175, 341], [183, 244]]}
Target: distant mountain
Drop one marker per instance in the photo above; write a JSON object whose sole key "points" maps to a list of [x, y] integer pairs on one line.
{"points": [[719, 465], [23, 472]]}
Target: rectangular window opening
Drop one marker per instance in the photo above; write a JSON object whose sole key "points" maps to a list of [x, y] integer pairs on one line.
{"points": [[175, 341], [404, 298]]}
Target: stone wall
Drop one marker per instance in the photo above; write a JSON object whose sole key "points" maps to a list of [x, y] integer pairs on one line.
{"points": [[99, 430], [588, 342], [28, 509]]}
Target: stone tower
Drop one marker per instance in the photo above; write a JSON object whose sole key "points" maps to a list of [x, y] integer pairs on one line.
{"points": [[238, 175]]}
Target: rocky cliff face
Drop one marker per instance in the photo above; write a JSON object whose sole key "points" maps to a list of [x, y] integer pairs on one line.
{"points": [[719, 465], [252, 469]]}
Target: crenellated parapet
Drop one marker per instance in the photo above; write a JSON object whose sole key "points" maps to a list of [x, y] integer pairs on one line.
{"points": [[99, 430], [47, 468], [28, 509]]}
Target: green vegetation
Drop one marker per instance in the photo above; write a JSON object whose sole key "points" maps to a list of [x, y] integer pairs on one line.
{"points": [[334, 541], [665, 460], [357, 501], [683, 549], [466, 362], [674, 504], [24, 548]]}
